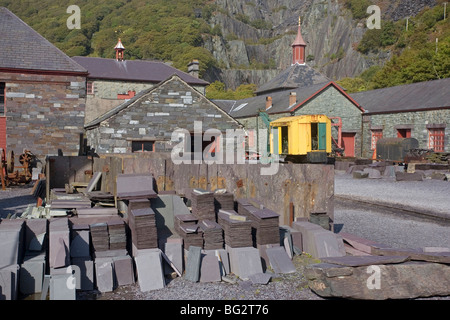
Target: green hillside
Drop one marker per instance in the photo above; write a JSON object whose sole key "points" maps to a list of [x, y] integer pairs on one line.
{"points": [[417, 55]]}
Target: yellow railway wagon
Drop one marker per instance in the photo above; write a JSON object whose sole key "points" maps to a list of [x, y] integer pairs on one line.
{"points": [[305, 138]]}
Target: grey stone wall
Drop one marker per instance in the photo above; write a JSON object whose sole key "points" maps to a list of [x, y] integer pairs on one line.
{"points": [[155, 116], [44, 113], [417, 121]]}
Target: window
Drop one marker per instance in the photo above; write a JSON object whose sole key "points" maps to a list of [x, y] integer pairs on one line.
{"points": [[436, 138], [142, 146], [403, 133], [376, 135], [90, 87], [2, 99]]}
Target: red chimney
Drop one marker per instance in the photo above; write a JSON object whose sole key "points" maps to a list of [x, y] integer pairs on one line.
{"points": [[298, 47], [119, 50]]}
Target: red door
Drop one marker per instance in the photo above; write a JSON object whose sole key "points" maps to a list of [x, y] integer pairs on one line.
{"points": [[348, 143]]}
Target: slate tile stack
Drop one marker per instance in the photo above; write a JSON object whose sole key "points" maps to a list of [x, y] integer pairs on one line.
{"points": [[265, 222], [117, 234], [223, 200], [202, 203], [212, 235], [99, 236], [237, 229], [186, 225], [142, 224]]}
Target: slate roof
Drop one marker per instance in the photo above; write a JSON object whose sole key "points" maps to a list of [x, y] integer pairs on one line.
{"points": [[296, 76], [433, 94], [280, 101], [138, 96], [133, 70], [23, 48]]}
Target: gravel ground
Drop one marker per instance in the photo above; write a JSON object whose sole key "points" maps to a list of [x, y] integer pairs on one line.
{"points": [[15, 200], [424, 196]]}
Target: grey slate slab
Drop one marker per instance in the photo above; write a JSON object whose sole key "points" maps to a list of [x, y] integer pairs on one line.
{"points": [[173, 249], [59, 255], [59, 288], [80, 244], [193, 264], [86, 268], [104, 274], [9, 247], [358, 261], [210, 268], [149, 271], [245, 261], [260, 278], [9, 282], [32, 273], [123, 270], [279, 260]]}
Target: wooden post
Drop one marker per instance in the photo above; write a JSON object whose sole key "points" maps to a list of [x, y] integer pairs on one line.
{"points": [[291, 214]]}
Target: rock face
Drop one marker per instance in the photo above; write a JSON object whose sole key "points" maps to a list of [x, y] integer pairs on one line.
{"points": [[407, 280], [327, 27]]}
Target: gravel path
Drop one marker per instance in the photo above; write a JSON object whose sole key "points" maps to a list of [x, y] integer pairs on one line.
{"points": [[15, 200], [427, 196]]}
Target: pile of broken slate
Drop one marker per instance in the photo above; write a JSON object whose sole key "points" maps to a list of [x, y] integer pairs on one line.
{"points": [[203, 236]]}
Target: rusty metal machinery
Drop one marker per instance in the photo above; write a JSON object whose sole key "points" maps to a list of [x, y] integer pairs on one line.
{"points": [[11, 174]]}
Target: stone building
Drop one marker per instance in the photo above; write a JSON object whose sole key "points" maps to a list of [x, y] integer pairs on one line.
{"points": [[420, 110], [299, 90], [111, 81], [146, 122], [42, 92]]}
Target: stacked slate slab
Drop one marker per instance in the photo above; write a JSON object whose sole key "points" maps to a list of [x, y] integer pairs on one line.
{"points": [[237, 228], [59, 242], [265, 222], [117, 234], [142, 224], [212, 235], [223, 200], [186, 226], [99, 236], [202, 203]]}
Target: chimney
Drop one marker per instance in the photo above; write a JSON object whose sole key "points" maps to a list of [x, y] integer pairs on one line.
{"points": [[119, 50], [193, 68], [268, 102], [292, 98]]}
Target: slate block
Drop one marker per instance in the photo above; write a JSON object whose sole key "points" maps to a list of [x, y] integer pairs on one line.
{"points": [[406, 176], [59, 255], [260, 278], [86, 268], [173, 249], [36, 230], [279, 260], [360, 175], [61, 288], [80, 244], [373, 173], [32, 273], [193, 264], [9, 276], [9, 247], [210, 268], [245, 261], [149, 271], [123, 270], [104, 274]]}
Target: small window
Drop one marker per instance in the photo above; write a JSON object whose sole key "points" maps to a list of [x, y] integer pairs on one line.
{"points": [[403, 133], [2, 99], [142, 146], [436, 138], [90, 87], [376, 135]]}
